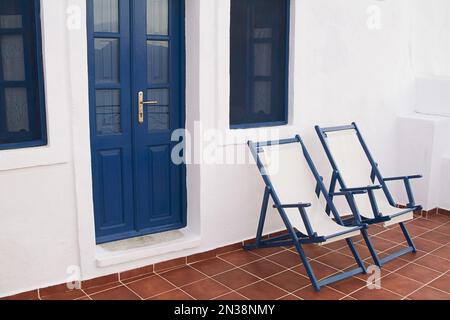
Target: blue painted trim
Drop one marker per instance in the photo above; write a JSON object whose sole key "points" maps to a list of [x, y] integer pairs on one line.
{"points": [[259, 125], [396, 255], [34, 83], [134, 234], [338, 128], [287, 59], [408, 237], [182, 109], [418, 176], [341, 276], [371, 248], [23, 145]]}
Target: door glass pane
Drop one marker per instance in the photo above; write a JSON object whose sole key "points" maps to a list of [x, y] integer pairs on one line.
{"points": [[106, 60], [158, 118], [10, 14], [158, 115], [158, 17], [16, 110], [158, 62], [12, 58], [160, 95], [106, 15], [108, 111]]}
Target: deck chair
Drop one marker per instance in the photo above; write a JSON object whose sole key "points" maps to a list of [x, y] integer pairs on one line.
{"points": [[357, 172], [296, 179]]}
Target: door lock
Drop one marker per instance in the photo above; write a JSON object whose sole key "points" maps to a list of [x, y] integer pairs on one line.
{"points": [[141, 104]]}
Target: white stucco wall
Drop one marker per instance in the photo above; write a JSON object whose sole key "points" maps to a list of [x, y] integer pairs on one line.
{"points": [[38, 215], [340, 71], [424, 134], [431, 37]]}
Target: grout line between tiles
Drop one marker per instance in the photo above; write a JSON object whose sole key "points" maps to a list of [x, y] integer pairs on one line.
{"points": [[427, 284], [132, 291], [102, 291], [265, 279], [210, 278], [176, 287], [266, 258]]}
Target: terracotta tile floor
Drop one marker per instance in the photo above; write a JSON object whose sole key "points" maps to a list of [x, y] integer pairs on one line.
{"points": [[269, 274]]}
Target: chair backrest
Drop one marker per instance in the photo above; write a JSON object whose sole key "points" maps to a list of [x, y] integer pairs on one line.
{"points": [[350, 157], [288, 170]]}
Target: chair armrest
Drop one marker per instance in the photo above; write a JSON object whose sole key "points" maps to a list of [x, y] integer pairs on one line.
{"points": [[290, 206], [417, 176], [370, 191], [409, 192], [302, 210], [346, 192], [368, 188], [350, 196]]}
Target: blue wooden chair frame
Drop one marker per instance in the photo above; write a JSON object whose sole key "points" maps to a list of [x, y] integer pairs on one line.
{"points": [[294, 237], [369, 190]]}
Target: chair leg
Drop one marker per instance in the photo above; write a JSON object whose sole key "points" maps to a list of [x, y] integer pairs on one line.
{"points": [[307, 265], [371, 248], [380, 262], [348, 274], [408, 237], [356, 255]]}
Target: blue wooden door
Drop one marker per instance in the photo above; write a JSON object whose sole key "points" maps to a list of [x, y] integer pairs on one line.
{"points": [[136, 61]]}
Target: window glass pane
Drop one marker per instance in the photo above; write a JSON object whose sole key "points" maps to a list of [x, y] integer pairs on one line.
{"points": [[106, 15], [158, 17], [108, 112], [258, 64], [262, 33], [158, 62], [12, 53], [262, 97], [10, 14], [107, 60], [263, 59], [16, 110]]}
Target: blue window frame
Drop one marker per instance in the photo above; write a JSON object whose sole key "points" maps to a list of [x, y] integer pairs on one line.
{"points": [[259, 63], [22, 107]]}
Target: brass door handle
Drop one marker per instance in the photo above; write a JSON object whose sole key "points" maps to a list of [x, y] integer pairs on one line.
{"points": [[141, 104]]}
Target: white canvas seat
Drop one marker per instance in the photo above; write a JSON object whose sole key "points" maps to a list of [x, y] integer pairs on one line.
{"points": [[355, 169], [293, 182]]}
